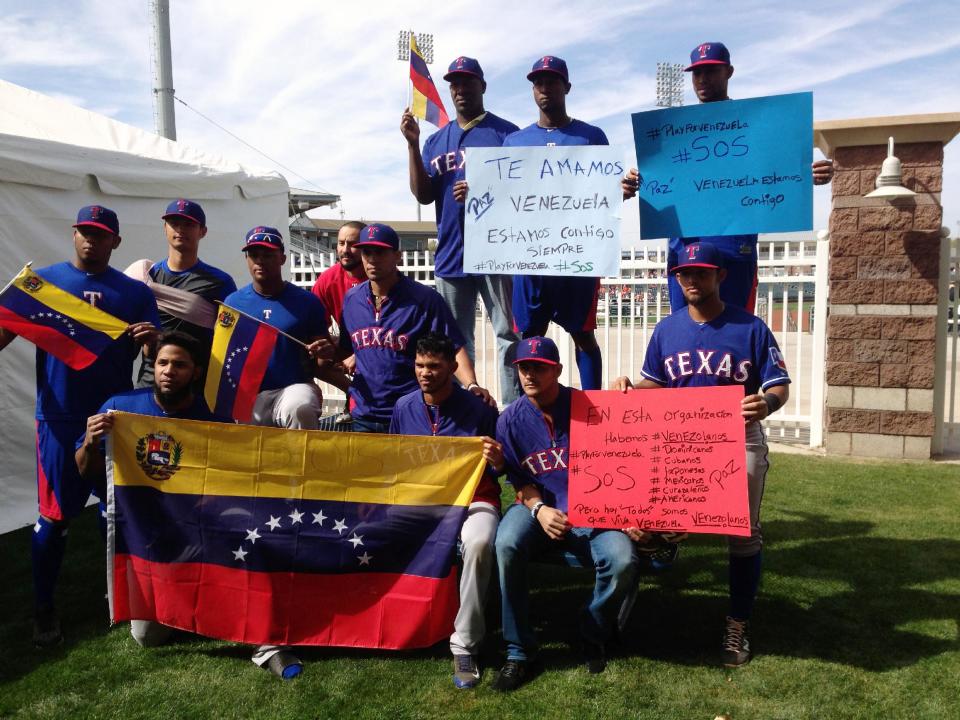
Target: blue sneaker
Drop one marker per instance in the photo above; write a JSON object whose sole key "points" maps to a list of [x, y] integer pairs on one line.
{"points": [[285, 665], [466, 673]]}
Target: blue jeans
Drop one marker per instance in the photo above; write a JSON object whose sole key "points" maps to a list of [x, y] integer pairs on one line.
{"points": [[368, 425], [520, 539], [460, 295]]}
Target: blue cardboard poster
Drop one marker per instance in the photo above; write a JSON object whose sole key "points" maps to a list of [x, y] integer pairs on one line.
{"points": [[726, 168]]}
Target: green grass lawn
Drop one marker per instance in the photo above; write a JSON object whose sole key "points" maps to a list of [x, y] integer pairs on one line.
{"points": [[857, 618]]}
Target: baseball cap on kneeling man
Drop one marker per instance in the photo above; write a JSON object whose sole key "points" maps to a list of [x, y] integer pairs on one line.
{"points": [[99, 217], [264, 236], [698, 255], [378, 235], [537, 349]]}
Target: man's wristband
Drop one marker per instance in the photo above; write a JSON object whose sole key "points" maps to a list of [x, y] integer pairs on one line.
{"points": [[536, 508], [472, 385], [773, 402]]}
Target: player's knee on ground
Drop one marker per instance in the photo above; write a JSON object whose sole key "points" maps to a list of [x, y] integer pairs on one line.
{"points": [[149, 634]]}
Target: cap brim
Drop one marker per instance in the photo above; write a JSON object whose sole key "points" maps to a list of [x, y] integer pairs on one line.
{"points": [[533, 73], [688, 68], [182, 215], [262, 244], [545, 361], [678, 268], [462, 72], [96, 225], [374, 243]]}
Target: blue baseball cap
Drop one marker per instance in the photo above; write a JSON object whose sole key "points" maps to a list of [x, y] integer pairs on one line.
{"points": [[699, 254], [537, 349], [551, 64], [186, 209], [378, 235], [264, 236], [712, 53], [464, 65], [99, 217]]}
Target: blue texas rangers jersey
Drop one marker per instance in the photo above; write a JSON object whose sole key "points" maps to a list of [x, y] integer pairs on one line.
{"points": [[534, 452], [443, 159], [740, 260], [65, 394], [735, 348], [576, 132], [463, 414], [385, 342], [294, 311]]}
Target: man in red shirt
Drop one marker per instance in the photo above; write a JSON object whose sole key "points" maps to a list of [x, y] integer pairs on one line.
{"points": [[334, 282]]}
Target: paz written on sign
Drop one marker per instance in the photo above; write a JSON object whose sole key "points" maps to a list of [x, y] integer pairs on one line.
{"points": [[543, 211]]}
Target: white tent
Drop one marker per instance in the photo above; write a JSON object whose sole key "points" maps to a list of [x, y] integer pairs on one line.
{"points": [[54, 159]]}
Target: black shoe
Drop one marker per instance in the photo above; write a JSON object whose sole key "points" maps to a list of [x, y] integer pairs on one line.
{"points": [[736, 643], [594, 656], [513, 674], [46, 628]]}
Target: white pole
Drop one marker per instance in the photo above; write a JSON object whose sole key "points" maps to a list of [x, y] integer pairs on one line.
{"points": [[163, 70]]}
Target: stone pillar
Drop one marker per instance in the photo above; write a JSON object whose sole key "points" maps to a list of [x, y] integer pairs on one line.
{"points": [[883, 277]]}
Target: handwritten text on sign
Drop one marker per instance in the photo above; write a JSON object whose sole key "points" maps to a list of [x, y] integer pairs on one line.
{"points": [[667, 460], [726, 168], [543, 211]]}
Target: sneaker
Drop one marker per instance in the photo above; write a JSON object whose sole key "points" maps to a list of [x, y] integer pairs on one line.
{"points": [[595, 657], [513, 674], [285, 665], [46, 628], [466, 674], [736, 643]]}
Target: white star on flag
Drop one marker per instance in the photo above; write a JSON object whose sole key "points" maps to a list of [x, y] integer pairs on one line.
{"points": [[253, 535], [239, 554], [365, 558], [318, 518], [340, 526], [273, 522], [296, 516], [356, 540]]}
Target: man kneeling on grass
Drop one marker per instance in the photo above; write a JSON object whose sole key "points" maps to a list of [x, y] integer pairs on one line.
{"points": [[177, 368]]}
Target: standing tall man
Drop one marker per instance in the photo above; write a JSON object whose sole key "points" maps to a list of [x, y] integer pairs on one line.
{"points": [[382, 320], [571, 302], [288, 396], [733, 347], [66, 397], [437, 175], [186, 288], [535, 434], [711, 71]]}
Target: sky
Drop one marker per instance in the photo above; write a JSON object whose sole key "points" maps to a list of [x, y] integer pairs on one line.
{"points": [[317, 86]]}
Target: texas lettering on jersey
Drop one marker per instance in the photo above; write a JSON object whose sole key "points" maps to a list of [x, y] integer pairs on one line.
{"points": [[706, 362], [449, 161], [374, 336], [544, 461]]}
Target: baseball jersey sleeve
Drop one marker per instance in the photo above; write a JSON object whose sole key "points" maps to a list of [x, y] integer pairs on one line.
{"points": [[515, 475], [771, 366], [653, 360]]}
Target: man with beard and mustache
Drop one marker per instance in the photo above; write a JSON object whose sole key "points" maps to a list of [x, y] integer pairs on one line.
{"points": [[710, 343]]}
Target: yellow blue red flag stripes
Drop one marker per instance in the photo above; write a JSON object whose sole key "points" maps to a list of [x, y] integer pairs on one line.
{"points": [[67, 327], [266, 535], [425, 103], [241, 351]]}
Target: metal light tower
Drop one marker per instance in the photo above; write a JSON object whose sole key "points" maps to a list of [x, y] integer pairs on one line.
{"points": [[669, 84], [166, 123], [425, 43]]}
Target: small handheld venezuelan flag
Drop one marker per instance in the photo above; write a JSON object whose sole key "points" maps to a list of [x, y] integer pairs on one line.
{"points": [[425, 103], [69, 328], [241, 350]]}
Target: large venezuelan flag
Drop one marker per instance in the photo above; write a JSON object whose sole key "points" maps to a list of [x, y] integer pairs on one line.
{"points": [[67, 327], [266, 535], [425, 103], [241, 351]]}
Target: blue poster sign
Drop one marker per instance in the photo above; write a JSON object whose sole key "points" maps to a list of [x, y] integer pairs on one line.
{"points": [[726, 168]]}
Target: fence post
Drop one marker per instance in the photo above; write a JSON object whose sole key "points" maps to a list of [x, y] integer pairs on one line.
{"points": [[819, 367]]}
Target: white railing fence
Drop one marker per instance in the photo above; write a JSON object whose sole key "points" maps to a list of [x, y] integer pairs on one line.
{"points": [[946, 435], [791, 299]]}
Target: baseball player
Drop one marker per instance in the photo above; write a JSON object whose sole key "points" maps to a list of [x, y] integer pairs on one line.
{"points": [[437, 175], [66, 397], [571, 302], [382, 320], [288, 396], [535, 434], [440, 407], [186, 288], [711, 70], [708, 343], [346, 274]]}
